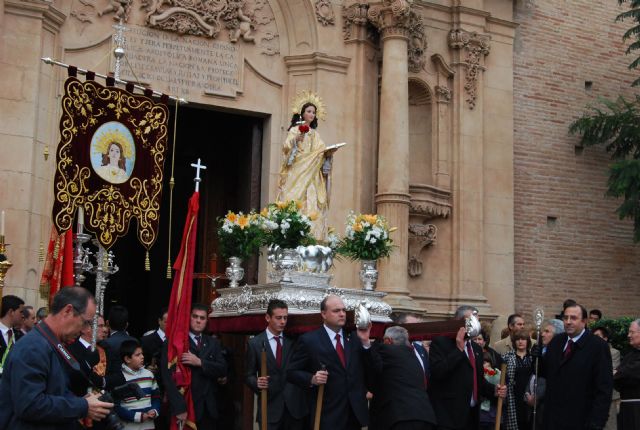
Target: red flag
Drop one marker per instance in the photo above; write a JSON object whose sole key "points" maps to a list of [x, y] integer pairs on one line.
{"points": [[179, 316], [58, 264]]}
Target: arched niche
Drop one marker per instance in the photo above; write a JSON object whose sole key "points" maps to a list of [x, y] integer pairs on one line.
{"points": [[420, 133]]}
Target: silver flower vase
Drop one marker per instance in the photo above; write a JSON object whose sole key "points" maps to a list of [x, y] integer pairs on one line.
{"points": [[287, 261], [368, 274], [234, 272]]}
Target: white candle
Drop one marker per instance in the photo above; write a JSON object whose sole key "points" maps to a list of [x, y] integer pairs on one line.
{"points": [[2, 224], [80, 220]]}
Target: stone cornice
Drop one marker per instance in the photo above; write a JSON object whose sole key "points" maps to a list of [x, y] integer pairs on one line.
{"points": [[317, 61], [51, 17]]}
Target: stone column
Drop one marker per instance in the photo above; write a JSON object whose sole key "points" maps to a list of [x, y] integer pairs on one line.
{"points": [[393, 198]]}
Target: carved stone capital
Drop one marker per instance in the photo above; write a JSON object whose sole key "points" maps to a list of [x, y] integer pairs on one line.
{"points": [[420, 236], [477, 47], [324, 12], [443, 94], [397, 19]]}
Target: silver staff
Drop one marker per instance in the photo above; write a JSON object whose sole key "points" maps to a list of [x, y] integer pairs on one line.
{"points": [[538, 317]]}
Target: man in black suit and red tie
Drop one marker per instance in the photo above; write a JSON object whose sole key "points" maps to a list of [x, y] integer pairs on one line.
{"points": [[287, 404], [400, 400], [207, 365], [577, 367], [457, 380], [331, 357]]}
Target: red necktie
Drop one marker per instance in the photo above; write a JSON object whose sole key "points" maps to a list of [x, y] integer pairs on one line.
{"points": [[472, 360], [568, 350], [278, 351], [340, 351], [198, 341]]}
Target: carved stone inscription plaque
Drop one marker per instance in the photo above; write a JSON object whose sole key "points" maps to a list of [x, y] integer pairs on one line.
{"points": [[182, 65]]}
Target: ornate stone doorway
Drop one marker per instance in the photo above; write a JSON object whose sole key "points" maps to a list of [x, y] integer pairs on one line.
{"points": [[230, 145]]}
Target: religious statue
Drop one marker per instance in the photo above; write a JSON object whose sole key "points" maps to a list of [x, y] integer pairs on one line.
{"points": [[306, 165]]}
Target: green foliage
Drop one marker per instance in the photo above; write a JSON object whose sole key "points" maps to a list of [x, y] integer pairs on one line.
{"points": [[618, 331], [616, 124], [633, 33]]}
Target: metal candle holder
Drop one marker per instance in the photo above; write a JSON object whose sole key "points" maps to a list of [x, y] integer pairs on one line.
{"points": [[103, 268], [5, 265], [81, 261]]}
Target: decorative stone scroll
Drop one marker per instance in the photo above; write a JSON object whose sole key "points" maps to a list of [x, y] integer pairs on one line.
{"points": [[251, 21], [396, 17], [477, 47], [324, 12], [420, 236]]}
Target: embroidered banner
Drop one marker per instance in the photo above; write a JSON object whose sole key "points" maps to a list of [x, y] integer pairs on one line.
{"points": [[110, 161]]}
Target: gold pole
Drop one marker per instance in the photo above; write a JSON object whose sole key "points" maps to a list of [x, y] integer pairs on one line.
{"points": [[172, 183], [263, 392], [503, 375], [5, 265]]}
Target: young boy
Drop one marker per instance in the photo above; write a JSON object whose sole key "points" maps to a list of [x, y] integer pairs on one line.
{"points": [[138, 414]]}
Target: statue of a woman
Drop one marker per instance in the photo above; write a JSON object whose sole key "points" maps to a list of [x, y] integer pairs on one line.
{"points": [[306, 167]]}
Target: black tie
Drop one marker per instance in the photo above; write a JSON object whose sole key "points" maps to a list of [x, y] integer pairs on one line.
{"points": [[198, 338]]}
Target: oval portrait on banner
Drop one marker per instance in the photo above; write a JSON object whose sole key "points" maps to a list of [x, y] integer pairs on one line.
{"points": [[113, 152]]}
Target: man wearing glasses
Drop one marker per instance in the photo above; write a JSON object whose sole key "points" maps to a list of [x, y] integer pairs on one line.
{"points": [[577, 366], [207, 365], [34, 391]]}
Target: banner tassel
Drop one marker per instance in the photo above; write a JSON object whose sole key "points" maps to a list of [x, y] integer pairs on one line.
{"points": [[147, 262]]}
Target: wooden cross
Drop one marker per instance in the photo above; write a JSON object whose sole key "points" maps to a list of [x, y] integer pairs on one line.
{"points": [[197, 179]]}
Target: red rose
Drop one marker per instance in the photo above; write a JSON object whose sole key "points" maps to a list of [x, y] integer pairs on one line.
{"points": [[304, 128]]}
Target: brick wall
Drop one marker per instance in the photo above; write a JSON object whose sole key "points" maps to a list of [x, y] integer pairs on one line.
{"points": [[585, 253]]}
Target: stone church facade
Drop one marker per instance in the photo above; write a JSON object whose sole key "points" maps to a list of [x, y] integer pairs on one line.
{"points": [[455, 113]]}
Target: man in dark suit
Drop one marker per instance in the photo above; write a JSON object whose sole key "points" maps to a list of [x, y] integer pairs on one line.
{"points": [[118, 323], [400, 400], [34, 392], [287, 406], [10, 317], [152, 341], [328, 356], [457, 380], [207, 365], [577, 366], [93, 364]]}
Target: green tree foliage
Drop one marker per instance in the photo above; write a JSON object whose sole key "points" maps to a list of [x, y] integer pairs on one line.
{"points": [[616, 124], [618, 332]]}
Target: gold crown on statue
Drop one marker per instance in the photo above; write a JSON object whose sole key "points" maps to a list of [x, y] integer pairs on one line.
{"points": [[309, 97], [114, 135]]}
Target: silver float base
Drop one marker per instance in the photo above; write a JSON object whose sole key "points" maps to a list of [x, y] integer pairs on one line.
{"points": [[302, 298]]}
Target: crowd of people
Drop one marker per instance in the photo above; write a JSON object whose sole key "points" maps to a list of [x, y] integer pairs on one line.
{"points": [[58, 372]]}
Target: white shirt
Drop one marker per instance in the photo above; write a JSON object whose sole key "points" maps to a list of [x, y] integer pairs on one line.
{"points": [[85, 343], [332, 336], [5, 333], [161, 334], [193, 337], [466, 351], [574, 339], [272, 341]]}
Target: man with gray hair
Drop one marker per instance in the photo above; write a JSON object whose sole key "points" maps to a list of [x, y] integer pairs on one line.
{"points": [[400, 399], [34, 391], [457, 379]]}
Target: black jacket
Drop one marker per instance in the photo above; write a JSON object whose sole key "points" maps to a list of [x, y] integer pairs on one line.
{"points": [[345, 388], [111, 346], [204, 384], [151, 348], [578, 394], [87, 359], [399, 392], [451, 382], [280, 392]]}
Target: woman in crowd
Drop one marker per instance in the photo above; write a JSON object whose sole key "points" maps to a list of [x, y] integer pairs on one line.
{"points": [[519, 371], [626, 380]]}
